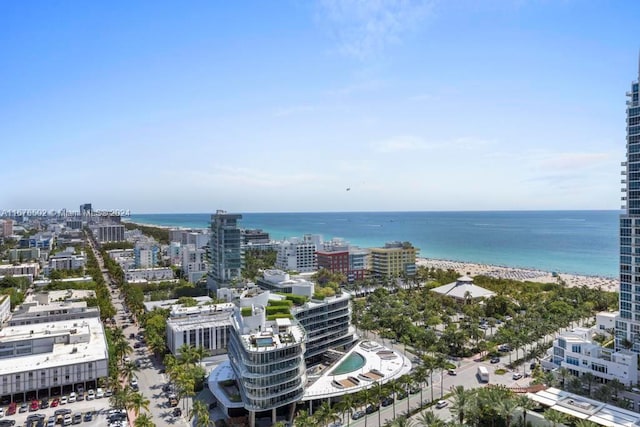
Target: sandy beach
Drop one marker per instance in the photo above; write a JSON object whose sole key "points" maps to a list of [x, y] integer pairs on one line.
{"points": [[521, 274]]}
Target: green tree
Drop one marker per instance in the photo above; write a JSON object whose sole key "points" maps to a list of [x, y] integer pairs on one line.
{"points": [[144, 420], [201, 412], [555, 417]]}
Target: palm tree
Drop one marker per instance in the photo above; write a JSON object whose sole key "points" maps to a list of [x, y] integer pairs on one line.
{"points": [[587, 379], [555, 417], [393, 389], [525, 404], [346, 404], [506, 408], [136, 401], [366, 397], [585, 423], [201, 412], [325, 414], [420, 376], [144, 420], [429, 419], [303, 419], [128, 369], [461, 401]]}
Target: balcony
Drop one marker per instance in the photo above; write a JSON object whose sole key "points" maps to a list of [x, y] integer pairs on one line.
{"points": [[623, 173], [623, 164], [623, 181]]}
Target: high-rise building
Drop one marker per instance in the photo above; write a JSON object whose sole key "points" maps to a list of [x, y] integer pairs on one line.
{"points": [[225, 249], [628, 322]]}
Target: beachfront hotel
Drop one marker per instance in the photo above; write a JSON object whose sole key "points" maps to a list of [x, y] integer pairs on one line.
{"points": [[226, 254], [394, 260], [628, 323]]}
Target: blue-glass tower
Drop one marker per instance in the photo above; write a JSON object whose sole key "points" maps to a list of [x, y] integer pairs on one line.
{"points": [[628, 323]]}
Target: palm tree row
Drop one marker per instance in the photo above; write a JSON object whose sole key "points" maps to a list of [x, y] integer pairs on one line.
{"points": [[185, 370]]}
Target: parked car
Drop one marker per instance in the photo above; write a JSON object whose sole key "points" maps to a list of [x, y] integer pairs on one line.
{"points": [[1, 412], [77, 418], [452, 372], [137, 345], [132, 336], [7, 423], [357, 415], [88, 416], [108, 393], [64, 400], [495, 360], [24, 407], [177, 412], [72, 397], [13, 406], [67, 420], [414, 390], [51, 422], [91, 394], [517, 375], [35, 405], [441, 404], [371, 409], [99, 393], [55, 402], [387, 401]]}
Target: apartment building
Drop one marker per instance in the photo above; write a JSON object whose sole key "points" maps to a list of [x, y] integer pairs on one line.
{"points": [[106, 233], [576, 351], [299, 254], [201, 326], [194, 262], [394, 259]]}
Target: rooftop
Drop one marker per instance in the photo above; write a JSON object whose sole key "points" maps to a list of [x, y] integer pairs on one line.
{"points": [[86, 342], [462, 288]]}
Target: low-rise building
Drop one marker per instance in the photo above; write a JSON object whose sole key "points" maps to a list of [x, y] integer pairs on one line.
{"points": [[148, 274], [54, 306], [145, 256], [299, 254], [200, 326], [576, 351], [31, 268], [51, 358], [22, 255], [66, 260]]}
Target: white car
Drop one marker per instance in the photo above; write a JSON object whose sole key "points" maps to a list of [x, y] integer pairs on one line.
{"points": [[99, 393], [73, 397], [67, 420], [91, 394], [517, 376], [63, 400], [1, 412], [134, 382], [441, 404]]}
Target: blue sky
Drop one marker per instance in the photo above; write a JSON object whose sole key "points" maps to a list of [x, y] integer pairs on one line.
{"points": [[164, 106]]}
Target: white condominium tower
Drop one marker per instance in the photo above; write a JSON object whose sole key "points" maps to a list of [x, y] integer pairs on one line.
{"points": [[628, 322]]}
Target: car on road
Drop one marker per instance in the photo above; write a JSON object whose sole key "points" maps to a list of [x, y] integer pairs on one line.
{"points": [[357, 415], [132, 336], [452, 372], [371, 409], [441, 404], [91, 394], [137, 345], [414, 390], [387, 401], [134, 384], [177, 412], [516, 375], [495, 360]]}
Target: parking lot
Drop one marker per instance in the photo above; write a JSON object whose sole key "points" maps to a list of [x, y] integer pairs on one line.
{"points": [[100, 408]]}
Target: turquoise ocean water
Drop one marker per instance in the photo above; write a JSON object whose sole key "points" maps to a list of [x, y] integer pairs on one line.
{"points": [[583, 242]]}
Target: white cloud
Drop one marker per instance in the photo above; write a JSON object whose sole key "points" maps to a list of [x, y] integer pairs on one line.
{"points": [[364, 27]]}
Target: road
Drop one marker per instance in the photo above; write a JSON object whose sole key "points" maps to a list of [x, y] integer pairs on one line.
{"points": [[150, 378]]}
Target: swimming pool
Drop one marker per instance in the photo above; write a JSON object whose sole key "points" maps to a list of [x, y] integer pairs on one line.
{"points": [[353, 362]]}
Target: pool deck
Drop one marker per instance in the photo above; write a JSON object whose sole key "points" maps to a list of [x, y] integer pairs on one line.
{"points": [[391, 363]]}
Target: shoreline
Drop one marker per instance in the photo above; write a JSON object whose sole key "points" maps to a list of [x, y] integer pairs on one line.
{"points": [[475, 269], [521, 274]]}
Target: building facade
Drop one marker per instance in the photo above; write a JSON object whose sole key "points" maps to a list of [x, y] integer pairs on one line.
{"points": [[225, 249], [145, 256], [394, 260], [299, 254], [334, 261], [194, 262], [201, 326], [41, 360], [577, 352], [628, 323], [110, 233]]}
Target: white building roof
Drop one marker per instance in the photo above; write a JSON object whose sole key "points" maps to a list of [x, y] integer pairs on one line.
{"points": [[459, 289], [87, 339], [585, 408]]}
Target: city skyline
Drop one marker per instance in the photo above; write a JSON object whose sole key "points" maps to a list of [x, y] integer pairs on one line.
{"points": [[318, 106]]}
